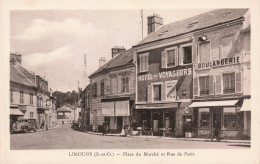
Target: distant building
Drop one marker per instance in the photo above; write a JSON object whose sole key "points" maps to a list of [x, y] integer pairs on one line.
{"points": [[66, 113]]}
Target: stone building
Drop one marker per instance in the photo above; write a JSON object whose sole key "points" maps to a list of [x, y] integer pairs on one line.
{"points": [[193, 72], [113, 91], [23, 99]]}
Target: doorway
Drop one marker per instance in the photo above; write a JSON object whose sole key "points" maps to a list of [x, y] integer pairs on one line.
{"points": [[119, 122], [216, 116]]}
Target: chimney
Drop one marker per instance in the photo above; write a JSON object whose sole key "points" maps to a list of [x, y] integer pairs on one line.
{"points": [[102, 61], [15, 57], [116, 50], [154, 22]]}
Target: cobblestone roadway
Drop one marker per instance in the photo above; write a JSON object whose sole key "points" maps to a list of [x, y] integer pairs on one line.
{"points": [[66, 138]]}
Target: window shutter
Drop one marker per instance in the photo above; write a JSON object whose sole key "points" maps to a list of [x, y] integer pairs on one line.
{"points": [[119, 84], [149, 93], [163, 92], [181, 56], [195, 86], [146, 63], [176, 57], [211, 85], [141, 63], [164, 59], [218, 84], [238, 82]]}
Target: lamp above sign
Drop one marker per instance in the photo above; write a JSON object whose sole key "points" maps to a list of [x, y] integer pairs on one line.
{"points": [[219, 63]]}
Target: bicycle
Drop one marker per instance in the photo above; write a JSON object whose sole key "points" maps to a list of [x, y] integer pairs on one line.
{"points": [[221, 136]]}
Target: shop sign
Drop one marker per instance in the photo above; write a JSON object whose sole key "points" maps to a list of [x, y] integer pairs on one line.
{"points": [[219, 63], [165, 74], [171, 90], [157, 106]]}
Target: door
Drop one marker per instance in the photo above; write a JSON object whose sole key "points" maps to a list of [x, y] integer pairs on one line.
{"points": [[216, 118], [119, 123]]}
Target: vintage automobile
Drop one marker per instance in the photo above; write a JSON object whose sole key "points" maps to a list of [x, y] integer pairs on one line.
{"points": [[24, 125]]}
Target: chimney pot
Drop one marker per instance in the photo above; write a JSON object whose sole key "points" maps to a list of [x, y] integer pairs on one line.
{"points": [[154, 22], [116, 50], [102, 61]]}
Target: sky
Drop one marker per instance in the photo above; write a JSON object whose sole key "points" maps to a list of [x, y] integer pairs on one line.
{"points": [[53, 42]]}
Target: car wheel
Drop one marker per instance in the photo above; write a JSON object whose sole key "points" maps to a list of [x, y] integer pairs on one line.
{"points": [[26, 130], [34, 129]]}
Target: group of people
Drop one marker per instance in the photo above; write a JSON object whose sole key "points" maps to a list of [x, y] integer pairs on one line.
{"points": [[124, 129]]}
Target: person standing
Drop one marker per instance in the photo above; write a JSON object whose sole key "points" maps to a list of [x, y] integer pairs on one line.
{"points": [[216, 129], [125, 127]]}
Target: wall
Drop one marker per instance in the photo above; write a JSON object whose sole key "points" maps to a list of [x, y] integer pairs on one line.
{"points": [[155, 68]]}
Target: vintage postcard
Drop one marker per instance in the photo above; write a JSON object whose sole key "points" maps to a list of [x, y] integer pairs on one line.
{"points": [[129, 82]]}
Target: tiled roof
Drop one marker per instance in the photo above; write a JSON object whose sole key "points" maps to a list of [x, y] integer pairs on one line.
{"points": [[122, 59], [194, 23], [65, 107], [17, 76]]}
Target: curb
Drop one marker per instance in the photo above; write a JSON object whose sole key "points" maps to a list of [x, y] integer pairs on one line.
{"points": [[167, 138]]}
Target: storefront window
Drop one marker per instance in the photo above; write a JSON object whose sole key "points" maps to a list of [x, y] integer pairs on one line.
{"points": [[204, 117], [229, 118], [157, 92]]}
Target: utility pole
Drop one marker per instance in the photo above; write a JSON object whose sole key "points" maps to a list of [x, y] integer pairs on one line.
{"points": [[141, 12], [85, 71]]}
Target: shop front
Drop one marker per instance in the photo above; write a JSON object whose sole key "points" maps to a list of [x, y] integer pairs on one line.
{"points": [[116, 113], [157, 119], [221, 114]]}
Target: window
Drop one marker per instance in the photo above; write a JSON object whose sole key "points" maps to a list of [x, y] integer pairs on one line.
{"points": [[95, 89], [227, 44], [229, 83], [31, 99], [114, 85], [31, 114], [187, 55], [21, 98], [204, 85], [204, 117], [204, 52], [125, 84], [157, 92], [11, 96], [102, 88], [229, 118], [171, 57], [144, 62]]}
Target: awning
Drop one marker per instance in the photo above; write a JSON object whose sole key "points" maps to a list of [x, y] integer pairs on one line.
{"points": [[16, 112], [108, 108], [213, 103], [246, 105], [122, 108]]}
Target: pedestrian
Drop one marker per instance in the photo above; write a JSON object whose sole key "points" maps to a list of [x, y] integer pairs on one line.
{"points": [[104, 128], [42, 125], [125, 127], [216, 129]]}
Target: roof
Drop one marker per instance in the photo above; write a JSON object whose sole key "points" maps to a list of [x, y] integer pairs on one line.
{"points": [[65, 108], [194, 23], [122, 59], [17, 76]]}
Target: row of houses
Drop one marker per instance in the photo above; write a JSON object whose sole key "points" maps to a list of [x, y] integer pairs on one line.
{"points": [[194, 71], [30, 97]]}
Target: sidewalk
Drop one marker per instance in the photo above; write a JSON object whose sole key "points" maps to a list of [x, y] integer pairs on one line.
{"points": [[170, 138]]}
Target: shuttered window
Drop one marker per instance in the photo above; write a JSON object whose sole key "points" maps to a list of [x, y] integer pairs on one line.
{"points": [[125, 84], [102, 88], [227, 44], [95, 89], [238, 82], [204, 85], [113, 85], [149, 93], [157, 92], [21, 98], [204, 52], [144, 62], [218, 87], [229, 83], [171, 56], [195, 86], [164, 59]]}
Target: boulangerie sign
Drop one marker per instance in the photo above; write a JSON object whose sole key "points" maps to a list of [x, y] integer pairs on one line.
{"points": [[171, 90]]}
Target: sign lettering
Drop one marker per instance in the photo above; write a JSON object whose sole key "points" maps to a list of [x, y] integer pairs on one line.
{"points": [[219, 63]]}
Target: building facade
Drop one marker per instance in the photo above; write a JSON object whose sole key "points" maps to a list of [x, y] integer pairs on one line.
{"points": [[66, 114], [113, 92], [193, 72]]}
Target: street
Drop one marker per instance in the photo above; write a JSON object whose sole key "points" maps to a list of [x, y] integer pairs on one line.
{"points": [[64, 137]]}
